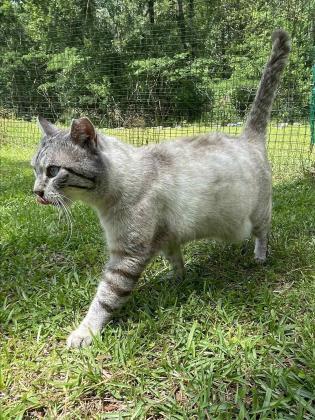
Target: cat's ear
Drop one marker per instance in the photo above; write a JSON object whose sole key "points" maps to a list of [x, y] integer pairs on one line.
{"points": [[83, 133], [47, 128]]}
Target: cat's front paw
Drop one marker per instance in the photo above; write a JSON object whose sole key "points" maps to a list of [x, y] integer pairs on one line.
{"points": [[81, 337]]}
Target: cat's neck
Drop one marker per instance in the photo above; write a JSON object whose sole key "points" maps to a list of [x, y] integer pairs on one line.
{"points": [[107, 144], [121, 172]]}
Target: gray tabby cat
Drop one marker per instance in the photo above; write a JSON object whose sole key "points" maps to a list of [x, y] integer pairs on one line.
{"points": [[155, 198]]}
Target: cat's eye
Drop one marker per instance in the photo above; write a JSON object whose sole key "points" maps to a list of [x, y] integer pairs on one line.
{"points": [[52, 171]]}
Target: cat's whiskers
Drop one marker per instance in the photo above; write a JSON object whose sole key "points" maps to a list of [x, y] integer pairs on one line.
{"points": [[58, 199], [68, 215], [78, 208], [63, 199]]}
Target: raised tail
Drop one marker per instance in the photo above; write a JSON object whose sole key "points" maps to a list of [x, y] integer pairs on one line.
{"points": [[259, 114]]}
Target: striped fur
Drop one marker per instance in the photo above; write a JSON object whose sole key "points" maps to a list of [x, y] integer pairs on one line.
{"points": [[259, 114], [117, 284]]}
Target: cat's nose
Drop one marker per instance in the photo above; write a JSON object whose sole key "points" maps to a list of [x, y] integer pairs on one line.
{"points": [[40, 193]]}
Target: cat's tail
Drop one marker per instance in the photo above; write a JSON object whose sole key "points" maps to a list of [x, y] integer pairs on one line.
{"points": [[256, 124]]}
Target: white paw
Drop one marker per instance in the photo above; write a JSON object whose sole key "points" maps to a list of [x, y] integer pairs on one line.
{"points": [[80, 337], [260, 260]]}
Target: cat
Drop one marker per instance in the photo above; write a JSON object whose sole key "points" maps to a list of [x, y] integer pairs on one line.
{"points": [[154, 198]]}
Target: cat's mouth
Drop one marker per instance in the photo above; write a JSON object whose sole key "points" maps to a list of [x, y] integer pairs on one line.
{"points": [[42, 200]]}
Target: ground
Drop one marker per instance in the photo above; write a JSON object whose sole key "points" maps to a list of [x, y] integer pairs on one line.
{"points": [[233, 340]]}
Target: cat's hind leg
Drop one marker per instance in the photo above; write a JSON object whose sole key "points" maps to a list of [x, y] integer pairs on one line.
{"points": [[261, 246], [261, 233], [173, 254]]}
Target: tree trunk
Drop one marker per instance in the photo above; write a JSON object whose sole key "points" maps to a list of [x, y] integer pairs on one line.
{"points": [[181, 23], [151, 11], [193, 37]]}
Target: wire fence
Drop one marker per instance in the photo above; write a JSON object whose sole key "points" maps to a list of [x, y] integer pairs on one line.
{"points": [[146, 71]]}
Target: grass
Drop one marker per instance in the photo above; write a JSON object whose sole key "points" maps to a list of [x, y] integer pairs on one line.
{"points": [[233, 340]]}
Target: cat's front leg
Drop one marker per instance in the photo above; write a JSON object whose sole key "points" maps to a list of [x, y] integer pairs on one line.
{"points": [[119, 279]]}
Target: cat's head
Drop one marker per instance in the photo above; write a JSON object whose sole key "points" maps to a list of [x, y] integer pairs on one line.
{"points": [[67, 165]]}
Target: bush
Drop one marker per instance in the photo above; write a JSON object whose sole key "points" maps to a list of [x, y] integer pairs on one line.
{"points": [[241, 98]]}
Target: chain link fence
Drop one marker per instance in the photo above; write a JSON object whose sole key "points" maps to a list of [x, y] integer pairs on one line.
{"points": [[150, 70]]}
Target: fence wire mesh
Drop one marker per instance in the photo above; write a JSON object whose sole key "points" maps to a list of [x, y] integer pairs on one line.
{"points": [[147, 70]]}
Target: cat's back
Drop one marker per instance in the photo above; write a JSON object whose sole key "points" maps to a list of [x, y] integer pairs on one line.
{"points": [[213, 140], [215, 150], [213, 162]]}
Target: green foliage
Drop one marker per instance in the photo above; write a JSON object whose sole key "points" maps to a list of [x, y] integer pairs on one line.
{"points": [[137, 63], [170, 89], [241, 98]]}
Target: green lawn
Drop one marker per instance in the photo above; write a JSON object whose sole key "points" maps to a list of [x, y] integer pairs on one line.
{"points": [[233, 340]]}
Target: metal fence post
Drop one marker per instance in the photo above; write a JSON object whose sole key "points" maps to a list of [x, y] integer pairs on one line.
{"points": [[312, 111]]}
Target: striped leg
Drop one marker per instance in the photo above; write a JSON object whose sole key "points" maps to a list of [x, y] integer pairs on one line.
{"points": [[120, 277]]}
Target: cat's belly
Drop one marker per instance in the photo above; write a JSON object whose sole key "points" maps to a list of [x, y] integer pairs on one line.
{"points": [[216, 228], [219, 212], [227, 233]]}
